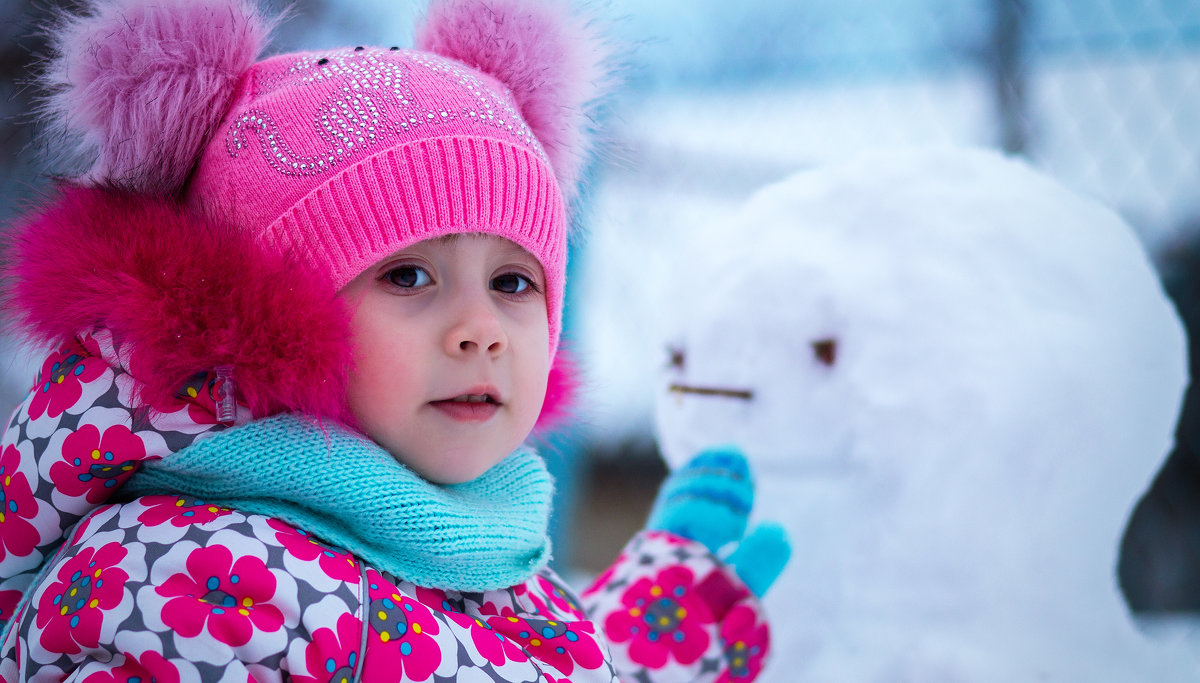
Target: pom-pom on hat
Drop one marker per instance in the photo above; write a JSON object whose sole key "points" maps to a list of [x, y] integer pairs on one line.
{"points": [[341, 157], [138, 86]]}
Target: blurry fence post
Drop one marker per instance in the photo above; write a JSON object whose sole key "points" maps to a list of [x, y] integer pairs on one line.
{"points": [[1009, 23]]}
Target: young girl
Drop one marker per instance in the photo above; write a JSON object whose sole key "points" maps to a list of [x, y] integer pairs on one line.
{"points": [[305, 312]]}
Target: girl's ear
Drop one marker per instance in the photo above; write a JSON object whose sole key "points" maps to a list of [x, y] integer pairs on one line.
{"points": [[562, 389]]}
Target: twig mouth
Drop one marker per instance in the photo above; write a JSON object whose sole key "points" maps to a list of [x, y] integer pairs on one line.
{"points": [[742, 394]]}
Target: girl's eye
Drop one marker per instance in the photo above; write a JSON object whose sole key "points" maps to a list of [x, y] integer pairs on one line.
{"points": [[408, 277], [512, 283]]}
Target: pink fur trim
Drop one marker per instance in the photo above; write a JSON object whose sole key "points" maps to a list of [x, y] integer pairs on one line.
{"points": [[562, 389], [553, 62], [141, 84], [188, 294]]}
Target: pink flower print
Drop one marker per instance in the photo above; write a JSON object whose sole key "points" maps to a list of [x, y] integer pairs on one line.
{"points": [[489, 608], [86, 527], [95, 464], [151, 667], [179, 510], [563, 602], [199, 395], [17, 506], [605, 577], [662, 618], [60, 383], [401, 637], [666, 537], [557, 643], [8, 604], [337, 562], [231, 599], [744, 644], [71, 610], [332, 657], [492, 645]]}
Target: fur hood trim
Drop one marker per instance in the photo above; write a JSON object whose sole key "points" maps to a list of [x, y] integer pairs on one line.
{"points": [[188, 294]]}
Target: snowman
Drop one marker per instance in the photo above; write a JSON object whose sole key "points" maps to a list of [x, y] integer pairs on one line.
{"points": [[953, 378]]}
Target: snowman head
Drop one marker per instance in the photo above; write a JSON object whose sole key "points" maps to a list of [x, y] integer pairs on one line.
{"points": [[758, 362], [943, 319]]}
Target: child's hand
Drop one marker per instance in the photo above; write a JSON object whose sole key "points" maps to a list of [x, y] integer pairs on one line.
{"points": [[709, 500]]}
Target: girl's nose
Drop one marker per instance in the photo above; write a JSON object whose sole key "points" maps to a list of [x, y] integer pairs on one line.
{"points": [[476, 330]]}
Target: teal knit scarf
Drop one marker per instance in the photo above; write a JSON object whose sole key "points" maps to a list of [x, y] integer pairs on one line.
{"points": [[484, 534]]}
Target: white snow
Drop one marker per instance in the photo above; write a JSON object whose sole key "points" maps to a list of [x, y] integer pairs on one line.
{"points": [[1006, 381]]}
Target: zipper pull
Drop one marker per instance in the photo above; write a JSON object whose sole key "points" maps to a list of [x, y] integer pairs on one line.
{"points": [[227, 405]]}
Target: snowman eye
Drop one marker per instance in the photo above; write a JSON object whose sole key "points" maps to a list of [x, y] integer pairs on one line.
{"points": [[825, 351], [675, 358]]}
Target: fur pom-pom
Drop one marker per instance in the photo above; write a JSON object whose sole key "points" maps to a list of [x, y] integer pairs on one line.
{"points": [[556, 64], [188, 295], [562, 390], [139, 85]]}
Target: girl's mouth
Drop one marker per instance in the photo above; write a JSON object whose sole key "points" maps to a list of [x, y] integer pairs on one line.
{"points": [[468, 407], [474, 398]]}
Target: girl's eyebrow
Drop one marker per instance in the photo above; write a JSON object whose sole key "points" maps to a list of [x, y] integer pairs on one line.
{"points": [[520, 254], [512, 250], [509, 250]]}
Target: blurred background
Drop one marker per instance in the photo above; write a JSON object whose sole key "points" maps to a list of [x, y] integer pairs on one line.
{"points": [[721, 98]]}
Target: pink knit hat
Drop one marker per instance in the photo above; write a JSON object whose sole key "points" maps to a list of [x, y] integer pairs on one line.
{"points": [[341, 157], [346, 156]]}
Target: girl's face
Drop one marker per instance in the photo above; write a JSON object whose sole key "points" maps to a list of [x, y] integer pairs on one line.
{"points": [[451, 344]]}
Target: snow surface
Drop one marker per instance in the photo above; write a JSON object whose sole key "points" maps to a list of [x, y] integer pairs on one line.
{"points": [[1007, 377]]}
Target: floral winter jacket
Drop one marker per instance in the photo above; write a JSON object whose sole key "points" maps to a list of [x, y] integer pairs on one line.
{"points": [[169, 588]]}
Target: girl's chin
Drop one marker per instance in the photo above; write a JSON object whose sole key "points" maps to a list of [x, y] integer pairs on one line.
{"points": [[450, 470]]}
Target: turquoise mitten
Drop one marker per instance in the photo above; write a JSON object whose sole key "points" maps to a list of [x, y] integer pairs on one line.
{"points": [[709, 500]]}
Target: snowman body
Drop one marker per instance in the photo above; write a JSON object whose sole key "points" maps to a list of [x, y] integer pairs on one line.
{"points": [[953, 378]]}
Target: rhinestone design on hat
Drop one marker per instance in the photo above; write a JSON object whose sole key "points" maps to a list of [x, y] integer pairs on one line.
{"points": [[373, 104]]}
